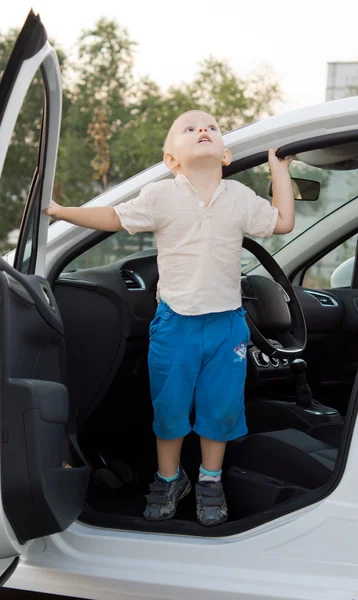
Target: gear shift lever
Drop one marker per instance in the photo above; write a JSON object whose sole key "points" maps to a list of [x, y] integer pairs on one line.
{"points": [[303, 391]]}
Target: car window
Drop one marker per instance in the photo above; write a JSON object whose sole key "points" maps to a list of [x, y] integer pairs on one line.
{"points": [[337, 188], [20, 166], [333, 270], [112, 249]]}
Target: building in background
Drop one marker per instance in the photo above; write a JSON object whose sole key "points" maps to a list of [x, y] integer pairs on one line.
{"points": [[342, 80]]}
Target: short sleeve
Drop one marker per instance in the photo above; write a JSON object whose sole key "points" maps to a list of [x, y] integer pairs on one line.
{"points": [[138, 214], [261, 217]]}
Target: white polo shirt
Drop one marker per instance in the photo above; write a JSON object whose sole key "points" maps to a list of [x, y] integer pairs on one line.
{"points": [[199, 247]]}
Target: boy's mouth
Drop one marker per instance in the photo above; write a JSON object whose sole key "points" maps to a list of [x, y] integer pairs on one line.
{"points": [[204, 138]]}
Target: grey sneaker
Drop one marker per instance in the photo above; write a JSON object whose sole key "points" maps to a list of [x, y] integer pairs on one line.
{"points": [[163, 497], [211, 508]]}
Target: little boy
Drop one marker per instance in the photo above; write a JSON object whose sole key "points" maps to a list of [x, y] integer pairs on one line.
{"points": [[199, 336]]}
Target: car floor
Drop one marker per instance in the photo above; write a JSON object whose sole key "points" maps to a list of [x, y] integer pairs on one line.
{"points": [[140, 456]]}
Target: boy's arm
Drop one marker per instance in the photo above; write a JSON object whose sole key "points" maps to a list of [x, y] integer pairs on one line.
{"points": [[103, 218], [282, 198]]}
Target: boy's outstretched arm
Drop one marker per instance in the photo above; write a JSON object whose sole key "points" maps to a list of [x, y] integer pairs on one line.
{"points": [[103, 218], [282, 197]]}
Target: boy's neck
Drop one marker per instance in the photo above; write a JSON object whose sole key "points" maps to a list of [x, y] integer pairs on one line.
{"points": [[204, 180]]}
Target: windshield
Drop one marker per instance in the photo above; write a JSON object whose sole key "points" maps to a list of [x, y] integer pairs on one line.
{"points": [[337, 188]]}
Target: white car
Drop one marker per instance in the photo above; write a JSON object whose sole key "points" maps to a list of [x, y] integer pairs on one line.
{"points": [[77, 448]]}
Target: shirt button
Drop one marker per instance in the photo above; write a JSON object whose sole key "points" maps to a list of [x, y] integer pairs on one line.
{"points": [[201, 203]]}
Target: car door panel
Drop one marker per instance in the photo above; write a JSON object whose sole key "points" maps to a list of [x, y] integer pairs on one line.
{"points": [[332, 350], [344, 347], [35, 412]]}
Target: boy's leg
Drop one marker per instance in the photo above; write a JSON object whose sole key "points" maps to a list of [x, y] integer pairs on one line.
{"points": [[174, 364], [212, 454], [169, 456], [220, 411]]}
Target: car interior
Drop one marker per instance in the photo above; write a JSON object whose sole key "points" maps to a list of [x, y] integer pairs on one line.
{"points": [[93, 335], [297, 392]]}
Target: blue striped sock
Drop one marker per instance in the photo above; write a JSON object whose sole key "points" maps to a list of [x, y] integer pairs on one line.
{"points": [[205, 475], [169, 479]]}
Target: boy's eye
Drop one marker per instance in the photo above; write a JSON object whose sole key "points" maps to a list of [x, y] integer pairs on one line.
{"points": [[189, 128], [213, 128]]}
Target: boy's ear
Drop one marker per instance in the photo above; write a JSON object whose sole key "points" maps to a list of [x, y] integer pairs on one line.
{"points": [[170, 161], [227, 158]]}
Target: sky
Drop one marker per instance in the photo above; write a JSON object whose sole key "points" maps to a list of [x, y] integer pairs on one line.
{"points": [[296, 39]]}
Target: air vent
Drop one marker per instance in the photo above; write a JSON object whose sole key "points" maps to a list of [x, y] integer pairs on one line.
{"points": [[132, 280], [324, 299]]}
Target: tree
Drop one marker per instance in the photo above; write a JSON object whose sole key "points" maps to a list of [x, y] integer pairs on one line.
{"points": [[99, 131], [104, 72], [101, 80], [138, 144], [234, 101]]}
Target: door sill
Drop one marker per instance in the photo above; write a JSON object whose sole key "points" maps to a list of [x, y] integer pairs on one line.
{"points": [[90, 516]]}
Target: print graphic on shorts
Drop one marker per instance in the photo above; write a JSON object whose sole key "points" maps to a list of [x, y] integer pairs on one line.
{"points": [[240, 352]]}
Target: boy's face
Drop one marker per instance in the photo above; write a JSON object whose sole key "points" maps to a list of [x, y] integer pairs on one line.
{"points": [[195, 136]]}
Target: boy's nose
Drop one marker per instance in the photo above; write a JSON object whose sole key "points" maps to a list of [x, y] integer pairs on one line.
{"points": [[202, 129]]}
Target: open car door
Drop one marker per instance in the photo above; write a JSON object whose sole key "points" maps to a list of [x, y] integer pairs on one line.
{"points": [[40, 495]]}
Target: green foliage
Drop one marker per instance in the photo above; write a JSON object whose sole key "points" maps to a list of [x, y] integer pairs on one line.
{"points": [[236, 101]]}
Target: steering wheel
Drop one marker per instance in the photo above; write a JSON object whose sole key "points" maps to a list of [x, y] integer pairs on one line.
{"points": [[274, 314]]}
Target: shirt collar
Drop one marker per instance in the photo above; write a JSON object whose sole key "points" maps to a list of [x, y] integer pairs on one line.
{"points": [[183, 179]]}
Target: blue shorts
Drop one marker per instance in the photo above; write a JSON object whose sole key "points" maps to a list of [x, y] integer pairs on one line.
{"points": [[198, 362]]}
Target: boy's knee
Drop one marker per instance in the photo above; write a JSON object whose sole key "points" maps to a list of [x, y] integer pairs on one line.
{"points": [[169, 422], [167, 431]]}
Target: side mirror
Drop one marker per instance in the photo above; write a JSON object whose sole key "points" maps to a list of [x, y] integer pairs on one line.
{"points": [[342, 275], [303, 189]]}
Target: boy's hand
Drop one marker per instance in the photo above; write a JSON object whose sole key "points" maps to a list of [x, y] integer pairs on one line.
{"points": [[278, 163], [53, 210]]}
